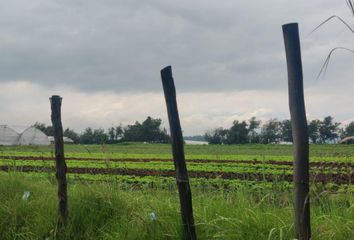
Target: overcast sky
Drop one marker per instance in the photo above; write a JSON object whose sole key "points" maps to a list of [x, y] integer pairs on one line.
{"points": [[104, 58]]}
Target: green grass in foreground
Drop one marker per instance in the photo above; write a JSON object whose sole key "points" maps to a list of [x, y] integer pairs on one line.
{"points": [[105, 211]]}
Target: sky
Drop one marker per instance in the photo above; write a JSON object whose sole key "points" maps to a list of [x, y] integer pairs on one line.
{"points": [[228, 61]]}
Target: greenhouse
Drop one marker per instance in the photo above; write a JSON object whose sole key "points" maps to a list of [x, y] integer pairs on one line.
{"points": [[33, 136], [8, 136]]}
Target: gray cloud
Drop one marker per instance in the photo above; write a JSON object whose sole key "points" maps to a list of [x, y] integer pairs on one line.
{"points": [[122, 45], [228, 60]]}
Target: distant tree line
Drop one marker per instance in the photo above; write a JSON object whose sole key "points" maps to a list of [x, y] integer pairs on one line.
{"points": [[148, 131], [241, 132], [275, 131]]}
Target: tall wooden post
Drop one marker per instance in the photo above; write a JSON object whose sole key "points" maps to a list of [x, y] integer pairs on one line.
{"points": [[59, 158], [182, 179], [300, 132]]}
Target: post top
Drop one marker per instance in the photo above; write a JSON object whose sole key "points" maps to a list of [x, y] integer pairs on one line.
{"points": [[167, 68], [55, 96], [290, 25]]}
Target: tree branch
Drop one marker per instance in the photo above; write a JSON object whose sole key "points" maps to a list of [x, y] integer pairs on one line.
{"points": [[334, 17], [350, 4], [325, 64]]}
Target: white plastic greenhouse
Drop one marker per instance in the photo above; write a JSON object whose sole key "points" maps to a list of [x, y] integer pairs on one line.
{"points": [[8, 136], [31, 136]]}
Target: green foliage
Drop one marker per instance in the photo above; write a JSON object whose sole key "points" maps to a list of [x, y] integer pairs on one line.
{"points": [[238, 133], [271, 131], [72, 135], [324, 152], [328, 130], [93, 136], [348, 130], [118, 207], [286, 131], [323, 131], [253, 135], [107, 211], [313, 130], [217, 136], [274, 131], [251, 161], [147, 131]]}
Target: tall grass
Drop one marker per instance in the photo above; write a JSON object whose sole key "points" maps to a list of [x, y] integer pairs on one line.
{"points": [[105, 211]]}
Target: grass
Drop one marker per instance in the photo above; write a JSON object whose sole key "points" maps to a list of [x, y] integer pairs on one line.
{"points": [[103, 210], [120, 207]]}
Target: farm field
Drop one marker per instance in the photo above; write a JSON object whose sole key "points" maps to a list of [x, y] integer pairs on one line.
{"points": [[214, 165], [127, 191]]}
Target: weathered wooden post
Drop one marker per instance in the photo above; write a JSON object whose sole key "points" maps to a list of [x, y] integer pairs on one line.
{"points": [[59, 158], [300, 132], [182, 179]]}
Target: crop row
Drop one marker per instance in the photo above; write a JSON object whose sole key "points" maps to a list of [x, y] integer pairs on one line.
{"points": [[341, 158], [132, 181], [240, 167], [337, 178], [155, 166], [323, 151], [254, 161]]}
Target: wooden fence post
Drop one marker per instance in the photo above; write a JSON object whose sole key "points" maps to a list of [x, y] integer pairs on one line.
{"points": [[182, 179], [59, 158], [300, 131]]}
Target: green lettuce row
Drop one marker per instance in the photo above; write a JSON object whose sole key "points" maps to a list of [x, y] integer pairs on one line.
{"points": [[233, 168]]}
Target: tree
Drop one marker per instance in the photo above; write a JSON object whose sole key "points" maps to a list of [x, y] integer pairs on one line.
{"points": [[348, 130], [147, 131], [152, 132], [217, 136], [119, 132], [99, 136], [328, 130], [94, 136], [286, 131], [271, 131], [313, 129], [115, 134], [133, 132], [238, 133], [87, 136], [72, 135], [323, 131], [111, 134], [253, 125]]}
